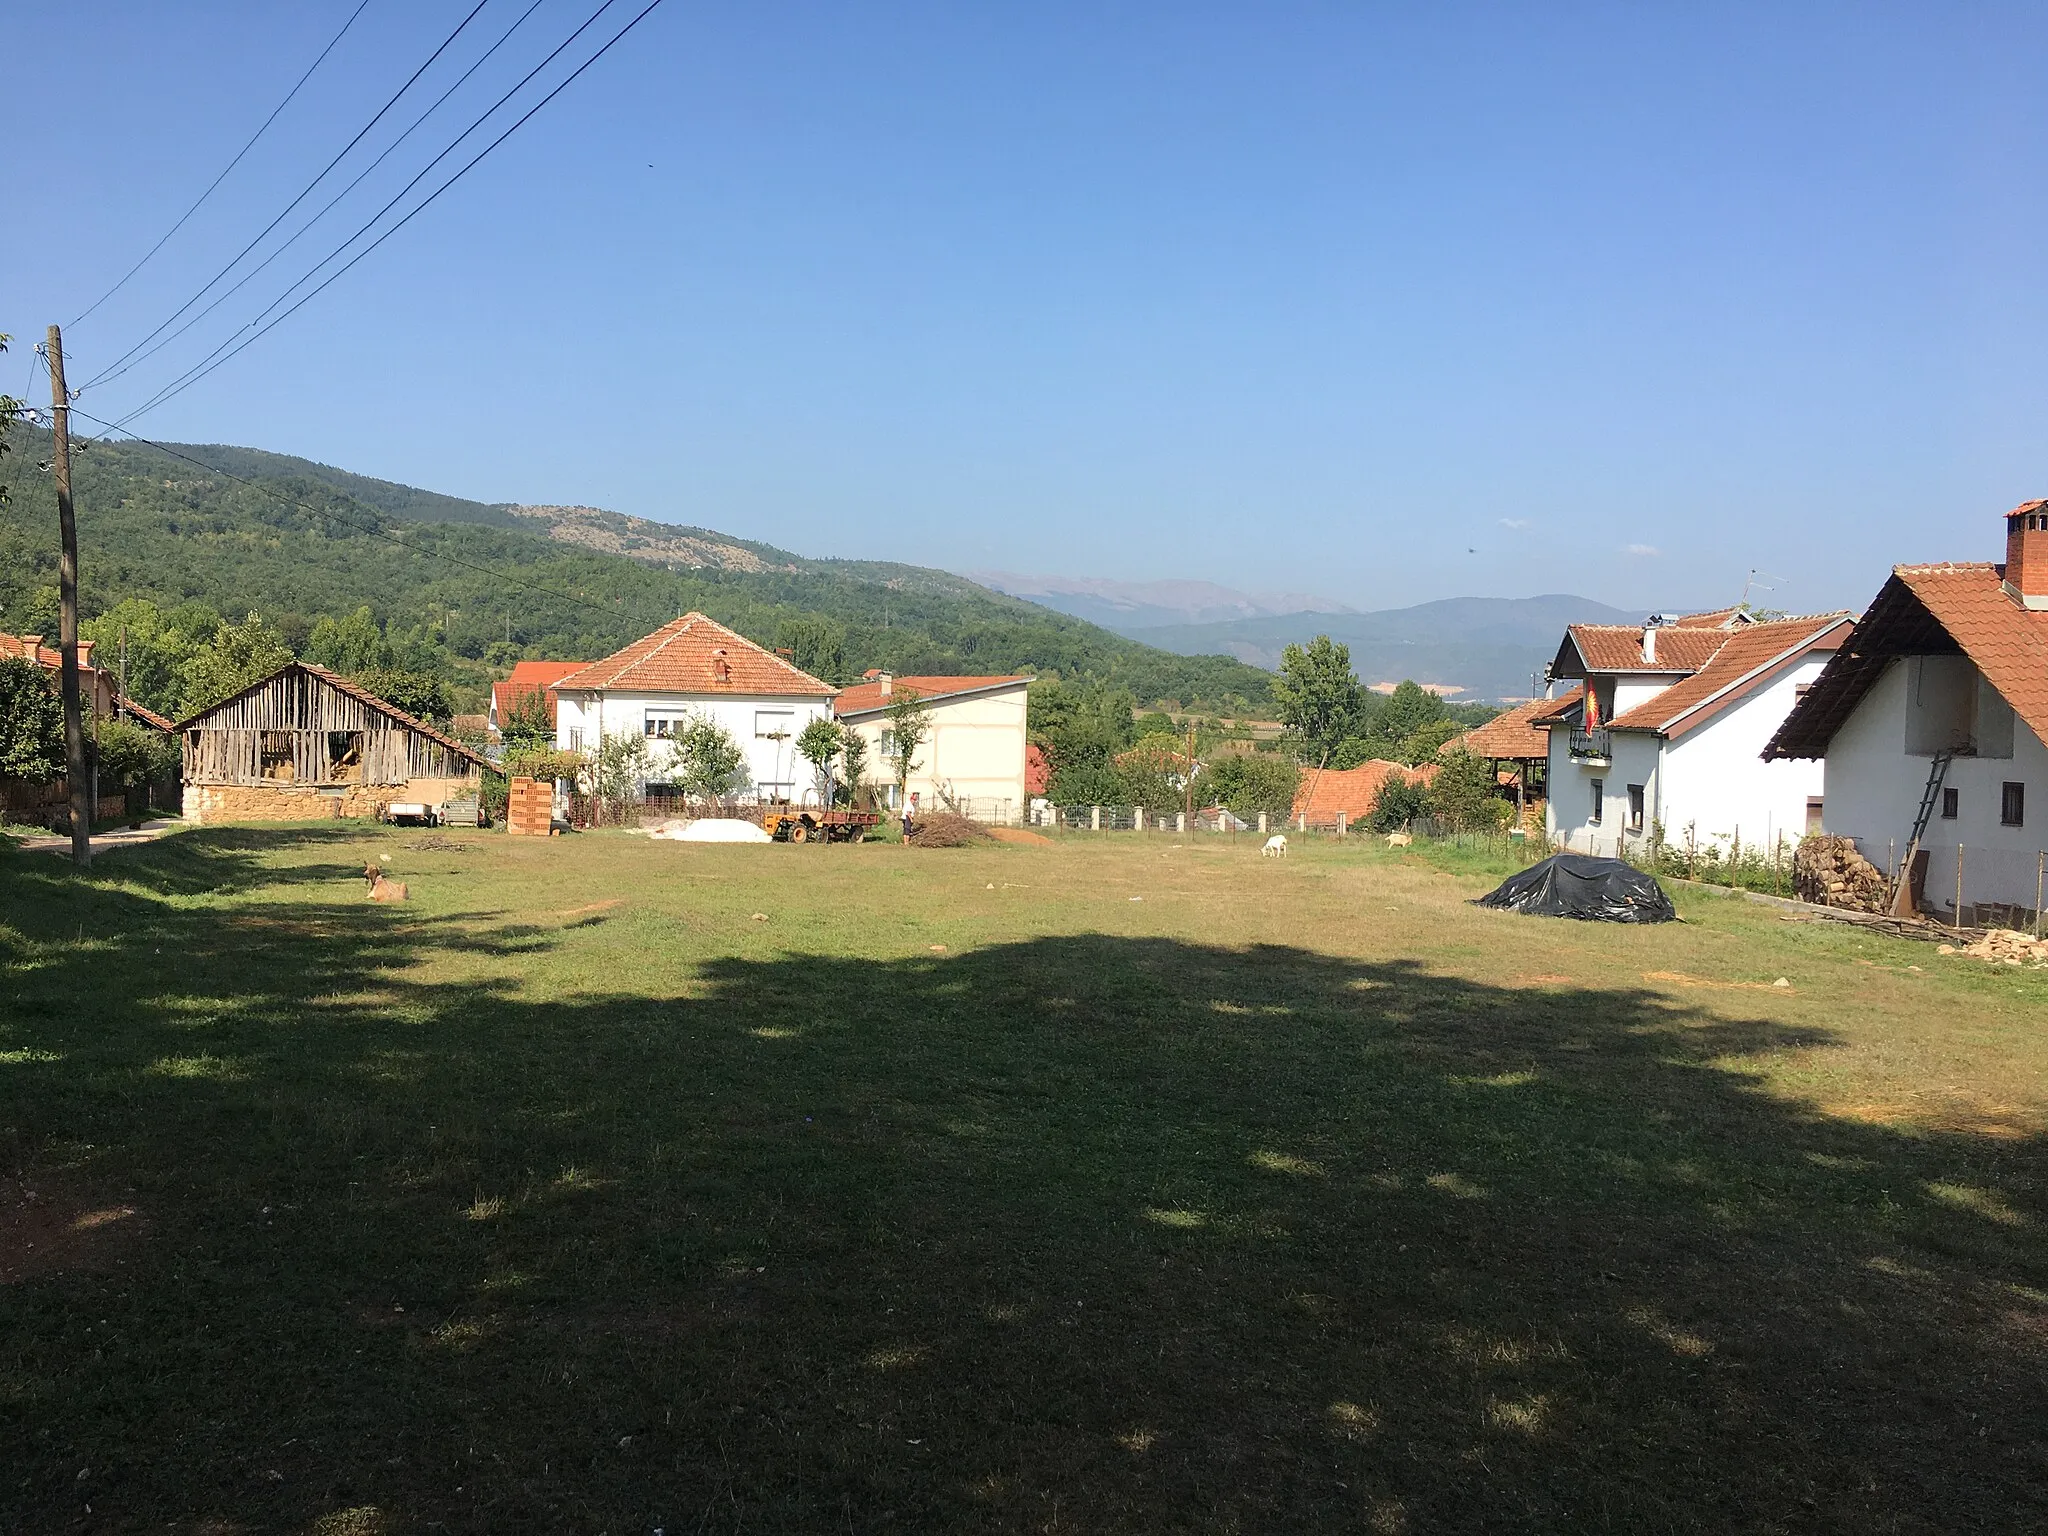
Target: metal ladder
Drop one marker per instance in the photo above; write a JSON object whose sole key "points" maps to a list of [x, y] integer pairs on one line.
{"points": [[1936, 772]]}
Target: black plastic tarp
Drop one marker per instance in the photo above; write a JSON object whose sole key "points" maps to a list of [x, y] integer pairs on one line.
{"points": [[1579, 885]]}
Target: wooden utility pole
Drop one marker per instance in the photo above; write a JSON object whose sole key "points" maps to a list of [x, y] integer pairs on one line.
{"points": [[67, 621]]}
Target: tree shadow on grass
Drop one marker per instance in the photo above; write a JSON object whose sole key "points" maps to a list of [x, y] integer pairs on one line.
{"points": [[1075, 1233]]}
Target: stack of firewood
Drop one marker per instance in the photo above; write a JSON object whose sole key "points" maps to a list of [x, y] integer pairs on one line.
{"points": [[2003, 946], [1829, 872]]}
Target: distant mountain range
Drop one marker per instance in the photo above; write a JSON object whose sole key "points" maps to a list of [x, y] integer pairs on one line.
{"points": [[1484, 648], [1125, 606]]}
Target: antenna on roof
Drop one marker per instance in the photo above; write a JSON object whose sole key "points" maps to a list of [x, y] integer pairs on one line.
{"points": [[1752, 581]]}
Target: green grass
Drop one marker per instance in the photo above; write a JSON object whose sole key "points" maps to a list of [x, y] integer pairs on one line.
{"points": [[1104, 1186]]}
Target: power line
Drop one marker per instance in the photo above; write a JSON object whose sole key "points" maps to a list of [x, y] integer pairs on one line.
{"points": [[579, 599], [217, 358], [304, 193], [114, 372], [223, 176]]}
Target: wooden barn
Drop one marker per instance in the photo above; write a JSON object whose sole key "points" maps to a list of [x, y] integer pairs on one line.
{"points": [[305, 744]]}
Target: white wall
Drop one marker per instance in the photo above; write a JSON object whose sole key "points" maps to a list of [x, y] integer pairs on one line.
{"points": [[769, 763], [1716, 779], [1568, 811], [1713, 778], [1874, 789], [975, 752]]}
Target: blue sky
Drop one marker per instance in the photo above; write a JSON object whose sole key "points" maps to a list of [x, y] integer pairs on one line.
{"points": [[1385, 303]]}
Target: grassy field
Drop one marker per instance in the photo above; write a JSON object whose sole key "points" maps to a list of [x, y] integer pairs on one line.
{"points": [[617, 1186]]}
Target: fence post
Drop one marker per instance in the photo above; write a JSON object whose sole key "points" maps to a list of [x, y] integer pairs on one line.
{"points": [[1303, 827], [1343, 823], [2040, 870], [1138, 819], [1094, 818], [1180, 821], [1262, 833], [1959, 885]]}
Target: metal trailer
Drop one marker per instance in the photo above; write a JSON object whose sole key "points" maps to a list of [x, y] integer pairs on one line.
{"points": [[819, 826]]}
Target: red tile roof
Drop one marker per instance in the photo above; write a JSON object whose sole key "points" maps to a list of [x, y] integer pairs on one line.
{"points": [[1929, 610], [1037, 771], [865, 696], [1514, 734], [695, 655], [1681, 648], [1560, 707], [1747, 657], [147, 716], [527, 677], [1350, 790]]}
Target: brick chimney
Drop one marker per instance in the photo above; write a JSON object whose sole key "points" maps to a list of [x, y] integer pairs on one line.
{"points": [[2026, 553]]}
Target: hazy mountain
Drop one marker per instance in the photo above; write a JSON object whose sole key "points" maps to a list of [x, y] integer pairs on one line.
{"points": [[1487, 647], [1127, 606]]}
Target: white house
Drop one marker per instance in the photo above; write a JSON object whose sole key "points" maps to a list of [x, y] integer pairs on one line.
{"points": [[1940, 700], [974, 758], [697, 667], [1668, 725]]}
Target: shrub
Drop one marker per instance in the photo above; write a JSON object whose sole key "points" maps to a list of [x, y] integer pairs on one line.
{"points": [[1250, 784], [31, 723], [131, 754], [1463, 795], [1398, 803]]}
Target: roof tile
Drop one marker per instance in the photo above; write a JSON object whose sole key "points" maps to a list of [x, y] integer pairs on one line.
{"points": [[696, 655]]}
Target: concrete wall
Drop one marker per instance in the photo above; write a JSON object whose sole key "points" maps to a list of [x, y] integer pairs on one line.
{"points": [[773, 767], [975, 751], [1874, 789], [1568, 812]]}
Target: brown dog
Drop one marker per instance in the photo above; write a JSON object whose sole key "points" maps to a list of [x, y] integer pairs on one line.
{"points": [[382, 889]]}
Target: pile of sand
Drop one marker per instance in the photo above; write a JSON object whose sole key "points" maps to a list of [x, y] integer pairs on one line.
{"points": [[711, 829]]}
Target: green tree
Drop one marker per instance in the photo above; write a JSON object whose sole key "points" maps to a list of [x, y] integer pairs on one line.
{"points": [[820, 744], [31, 722], [1423, 744], [1251, 782], [351, 646], [708, 763], [815, 643], [1409, 709], [130, 754], [1319, 697], [1080, 726], [1398, 803], [419, 694], [526, 724], [1153, 774], [618, 770], [235, 656], [910, 723], [158, 644], [1463, 796], [853, 764]]}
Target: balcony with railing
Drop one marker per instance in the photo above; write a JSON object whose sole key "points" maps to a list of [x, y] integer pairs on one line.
{"points": [[1590, 746]]}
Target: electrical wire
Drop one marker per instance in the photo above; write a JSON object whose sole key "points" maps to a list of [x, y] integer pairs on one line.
{"points": [[218, 358], [115, 372], [223, 176], [304, 193], [583, 599]]}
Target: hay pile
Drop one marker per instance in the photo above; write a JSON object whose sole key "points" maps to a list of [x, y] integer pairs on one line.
{"points": [[943, 829], [2003, 946], [1829, 872]]}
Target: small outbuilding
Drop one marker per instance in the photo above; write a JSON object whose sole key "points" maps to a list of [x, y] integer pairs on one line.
{"points": [[305, 744]]}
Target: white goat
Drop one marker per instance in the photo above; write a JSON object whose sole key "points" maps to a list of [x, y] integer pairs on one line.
{"points": [[1276, 847]]}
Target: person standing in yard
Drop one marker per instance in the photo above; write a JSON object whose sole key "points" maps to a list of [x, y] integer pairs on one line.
{"points": [[909, 811]]}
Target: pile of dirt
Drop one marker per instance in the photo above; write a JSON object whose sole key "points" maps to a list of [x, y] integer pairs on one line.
{"points": [[943, 829], [1829, 872], [2003, 946], [1017, 835]]}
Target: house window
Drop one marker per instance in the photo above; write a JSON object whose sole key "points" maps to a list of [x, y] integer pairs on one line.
{"points": [[772, 791], [1599, 800], [2012, 805], [575, 738], [773, 724], [885, 748], [1635, 807], [662, 725], [1950, 801], [1813, 809]]}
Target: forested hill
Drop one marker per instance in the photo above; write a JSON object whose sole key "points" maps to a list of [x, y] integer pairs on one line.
{"points": [[470, 586]]}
